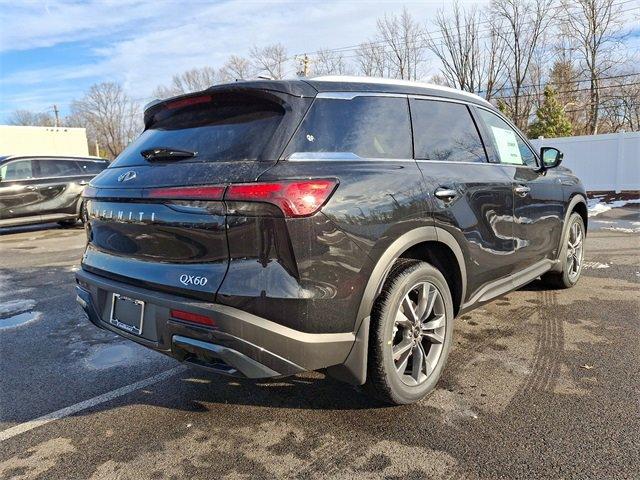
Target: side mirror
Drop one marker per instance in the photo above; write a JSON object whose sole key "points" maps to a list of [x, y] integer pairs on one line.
{"points": [[551, 157]]}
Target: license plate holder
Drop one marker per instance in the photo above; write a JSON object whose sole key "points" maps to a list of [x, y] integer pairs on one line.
{"points": [[127, 313]]}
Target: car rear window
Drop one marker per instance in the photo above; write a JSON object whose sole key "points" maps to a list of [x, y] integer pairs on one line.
{"points": [[56, 168], [370, 127], [445, 131], [89, 167], [221, 127]]}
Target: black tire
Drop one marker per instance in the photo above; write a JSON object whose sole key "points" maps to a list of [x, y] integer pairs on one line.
{"points": [[565, 278], [383, 379]]}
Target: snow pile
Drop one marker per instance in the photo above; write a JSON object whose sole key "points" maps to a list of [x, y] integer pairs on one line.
{"points": [[596, 206]]}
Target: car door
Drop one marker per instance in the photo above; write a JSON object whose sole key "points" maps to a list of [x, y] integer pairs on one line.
{"points": [[473, 198], [19, 195], [60, 185], [537, 194]]}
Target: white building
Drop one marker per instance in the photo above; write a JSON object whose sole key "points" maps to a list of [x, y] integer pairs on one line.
{"points": [[22, 140]]}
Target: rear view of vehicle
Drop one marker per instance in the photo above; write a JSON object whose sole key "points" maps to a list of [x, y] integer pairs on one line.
{"points": [[190, 254]]}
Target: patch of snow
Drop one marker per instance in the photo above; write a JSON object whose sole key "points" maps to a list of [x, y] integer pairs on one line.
{"points": [[622, 229], [16, 306], [19, 320], [596, 265], [596, 207]]}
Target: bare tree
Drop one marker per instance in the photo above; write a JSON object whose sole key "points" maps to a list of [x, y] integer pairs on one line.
{"points": [[520, 24], [327, 62], [404, 42], [33, 119], [469, 61], [371, 60], [620, 104], [236, 68], [190, 81], [109, 115], [270, 61], [594, 25]]}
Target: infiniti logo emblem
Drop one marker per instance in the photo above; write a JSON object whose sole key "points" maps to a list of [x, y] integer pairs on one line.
{"points": [[125, 177]]}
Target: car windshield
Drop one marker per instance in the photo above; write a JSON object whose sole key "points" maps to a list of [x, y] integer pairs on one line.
{"points": [[219, 128]]}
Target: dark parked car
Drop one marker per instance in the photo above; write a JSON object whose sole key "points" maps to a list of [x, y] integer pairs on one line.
{"points": [[265, 228], [36, 189]]}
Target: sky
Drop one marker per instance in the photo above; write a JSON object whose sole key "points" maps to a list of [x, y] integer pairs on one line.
{"points": [[51, 51]]}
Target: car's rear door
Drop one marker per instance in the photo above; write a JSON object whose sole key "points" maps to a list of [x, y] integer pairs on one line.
{"points": [[537, 195], [19, 195], [60, 185], [473, 198]]}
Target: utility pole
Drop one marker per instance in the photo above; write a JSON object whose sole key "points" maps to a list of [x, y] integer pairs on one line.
{"points": [[57, 115], [304, 66]]}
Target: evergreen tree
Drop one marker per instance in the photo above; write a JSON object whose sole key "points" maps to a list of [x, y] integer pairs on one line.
{"points": [[551, 119]]}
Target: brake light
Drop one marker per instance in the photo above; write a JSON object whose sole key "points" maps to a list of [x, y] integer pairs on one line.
{"points": [[214, 192], [193, 317], [296, 198], [186, 102]]}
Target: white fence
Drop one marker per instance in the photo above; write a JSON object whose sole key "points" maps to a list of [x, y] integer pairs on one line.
{"points": [[603, 162]]}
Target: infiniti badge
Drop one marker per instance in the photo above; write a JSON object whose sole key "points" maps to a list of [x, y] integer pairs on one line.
{"points": [[125, 177]]}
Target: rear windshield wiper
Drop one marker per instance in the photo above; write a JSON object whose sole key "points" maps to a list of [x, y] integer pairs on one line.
{"points": [[166, 153]]}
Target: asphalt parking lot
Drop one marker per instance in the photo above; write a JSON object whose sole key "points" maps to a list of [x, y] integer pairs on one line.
{"points": [[541, 384]]}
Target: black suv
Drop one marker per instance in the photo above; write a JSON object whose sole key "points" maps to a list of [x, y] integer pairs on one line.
{"points": [[265, 228], [36, 189]]}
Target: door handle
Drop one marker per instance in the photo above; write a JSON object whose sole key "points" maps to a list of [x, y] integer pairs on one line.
{"points": [[31, 188], [83, 182], [446, 194], [522, 190]]}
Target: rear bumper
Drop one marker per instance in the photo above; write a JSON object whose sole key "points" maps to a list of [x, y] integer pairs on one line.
{"points": [[241, 344]]}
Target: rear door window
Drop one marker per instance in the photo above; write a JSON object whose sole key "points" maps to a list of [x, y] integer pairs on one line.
{"points": [[445, 131], [18, 170], [91, 168], [221, 127], [370, 127], [56, 168], [509, 147]]}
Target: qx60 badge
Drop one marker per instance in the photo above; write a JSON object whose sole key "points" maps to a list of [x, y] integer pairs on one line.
{"points": [[193, 280], [125, 177]]}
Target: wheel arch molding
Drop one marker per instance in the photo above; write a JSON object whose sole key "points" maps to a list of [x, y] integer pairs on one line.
{"points": [[354, 369]]}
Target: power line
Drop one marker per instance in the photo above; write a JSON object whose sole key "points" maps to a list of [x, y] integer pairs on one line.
{"points": [[428, 34]]}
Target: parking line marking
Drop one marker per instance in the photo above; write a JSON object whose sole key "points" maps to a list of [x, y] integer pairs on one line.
{"points": [[78, 407]]}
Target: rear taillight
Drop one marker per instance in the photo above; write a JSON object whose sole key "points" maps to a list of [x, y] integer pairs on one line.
{"points": [[296, 198]]}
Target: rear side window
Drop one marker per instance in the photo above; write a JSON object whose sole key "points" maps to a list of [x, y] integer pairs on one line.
{"points": [[91, 168], [370, 127], [220, 127], [18, 170], [510, 148], [57, 168], [445, 131]]}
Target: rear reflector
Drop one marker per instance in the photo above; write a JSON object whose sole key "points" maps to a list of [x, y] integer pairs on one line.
{"points": [[193, 318], [188, 193], [296, 198]]}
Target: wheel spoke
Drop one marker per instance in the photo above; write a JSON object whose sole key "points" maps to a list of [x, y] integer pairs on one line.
{"points": [[409, 311], [434, 323], [433, 337], [417, 362], [423, 300], [402, 320], [401, 348], [402, 367]]}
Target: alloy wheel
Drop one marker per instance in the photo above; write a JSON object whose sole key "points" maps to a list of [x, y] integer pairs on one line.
{"points": [[575, 251], [418, 333]]}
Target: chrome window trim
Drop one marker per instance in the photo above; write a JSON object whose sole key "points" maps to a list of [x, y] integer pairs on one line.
{"points": [[352, 95]]}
